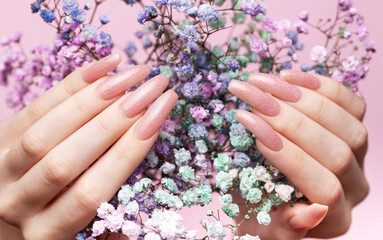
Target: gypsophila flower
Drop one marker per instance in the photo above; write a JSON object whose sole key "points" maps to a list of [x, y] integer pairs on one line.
{"points": [[167, 168], [104, 38], [232, 210], [187, 33], [35, 7], [223, 180], [190, 197], [258, 46], [78, 16], [132, 208], [284, 191], [216, 231], [197, 131], [201, 146], [98, 228], [187, 173], [89, 31], [182, 5], [190, 90], [241, 160], [263, 218], [131, 229], [249, 237], [47, 15], [125, 194], [146, 14], [207, 13], [253, 7], [318, 54], [169, 184], [226, 199], [199, 113], [222, 162], [182, 157], [269, 25], [69, 5], [254, 195], [104, 19]]}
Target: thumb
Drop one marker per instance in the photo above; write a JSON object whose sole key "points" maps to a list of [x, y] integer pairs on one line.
{"points": [[305, 217]]}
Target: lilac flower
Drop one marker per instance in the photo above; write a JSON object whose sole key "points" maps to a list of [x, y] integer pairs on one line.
{"points": [[187, 33], [192, 12], [162, 2], [182, 5], [130, 49], [303, 16], [69, 5], [207, 13], [269, 25], [345, 5], [47, 15], [362, 33], [258, 46], [199, 113], [78, 16], [301, 27], [190, 90], [253, 8], [89, 31], [233, 64], [104, 38], [147, 43], [318, 54], [104, 19], [146, 14]]}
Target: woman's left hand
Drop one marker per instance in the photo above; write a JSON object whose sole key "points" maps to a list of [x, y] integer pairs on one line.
{"points": [[311, 130]]}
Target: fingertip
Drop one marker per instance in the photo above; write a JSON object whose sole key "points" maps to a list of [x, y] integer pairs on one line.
{"points": [[309, 217]]}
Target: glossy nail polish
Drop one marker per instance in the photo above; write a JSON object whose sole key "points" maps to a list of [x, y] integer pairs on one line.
{"points": [[258, 99], [145, 94], [300, 78], [278, 88], [309, 218], [100, 68], [149, 124], [263, 131], [122, 81]]}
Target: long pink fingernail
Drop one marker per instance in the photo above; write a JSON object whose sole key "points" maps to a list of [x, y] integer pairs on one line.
{"points": [[144, 95], [275, 86], [155, 115], [263, 131], [309, 217], [255, 97], [300, 78], [122, 81], [101, 67]]}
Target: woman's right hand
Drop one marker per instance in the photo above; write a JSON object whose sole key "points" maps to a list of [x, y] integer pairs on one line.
{"points": [[49, 144]]}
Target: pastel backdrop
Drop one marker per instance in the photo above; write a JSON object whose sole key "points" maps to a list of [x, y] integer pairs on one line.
{"points": [[367, 223]]}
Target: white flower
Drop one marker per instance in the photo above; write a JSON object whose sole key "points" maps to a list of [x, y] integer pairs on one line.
{"points": [[191, 235], [132, 208], [318, 54], [216, 231], [284, 191], [131, 229], [249, 237], [350, 64], [269, 186], [263, 218]]}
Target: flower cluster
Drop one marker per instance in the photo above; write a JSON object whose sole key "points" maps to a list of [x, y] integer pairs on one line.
{"points": [[202, 149]]}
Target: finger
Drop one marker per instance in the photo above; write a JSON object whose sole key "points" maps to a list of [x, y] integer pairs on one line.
{"points": [[329, 88], [72, 156], [305, 217], [78, 205], [321, 110], [67, 117], [71, 84]]}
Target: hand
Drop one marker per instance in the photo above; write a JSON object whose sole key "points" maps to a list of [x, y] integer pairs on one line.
{"points": [[50, 184], [311, 130]]}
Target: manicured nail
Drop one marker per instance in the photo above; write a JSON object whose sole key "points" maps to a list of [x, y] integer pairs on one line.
{"points": [[300, 78], [101, 67], [309, 218], [149, 124], [258, 99], [144, 95], [278, 88], [122, 81], [263, 131]]}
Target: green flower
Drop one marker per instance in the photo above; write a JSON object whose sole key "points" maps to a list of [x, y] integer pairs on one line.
{"points": [[223, 181], [226, 199], [222, 162], [217, 121], [266, 205], [169, 184], [219, 23], [201, 146], [187, 173], [239, 18], [125, 194], [263, 218], [254, 195], [190, 198], [204, 194], [231, 210], [166, 71], [241, 143]]}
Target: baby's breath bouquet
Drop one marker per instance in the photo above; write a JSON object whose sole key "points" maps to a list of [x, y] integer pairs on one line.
{"points": [[202, 149]]}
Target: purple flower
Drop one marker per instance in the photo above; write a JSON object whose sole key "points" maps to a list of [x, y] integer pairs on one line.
{"points": [[104, 19], [258, 46], [253, 8], [147, 43], [89, 31], [162, 2], [192, 12], [130, 49], [182, 5], [188, 33], [233, 64], [78, 16], [207, 13], [47, 15], [13, 99], [363, 33], [104, 38], [190, 90], [146, 14], [302, 27], [303, 16], [69, 5], [345, 5]]}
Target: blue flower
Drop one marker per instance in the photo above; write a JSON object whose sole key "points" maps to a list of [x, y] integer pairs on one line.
{"points": [[69, 5], [35, 7], [197, 131], [188, 33], [293, 36], [182, 5], [192, 12], [104, 19], [207, 13], [130, 49], [162, 2], [89, 31], [47, 15], [305, 67], [78, 16], [233, 65], [241, 160], [146, 14], [147, 43], [104, 38], [130, 2]]}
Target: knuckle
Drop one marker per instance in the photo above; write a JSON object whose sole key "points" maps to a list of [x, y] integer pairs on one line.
{"points": [[54, 171], [79, 106], [69, 88], [337, 92], [86, 199], [35, 111], [335, 193], [298, 125], [342, 160], [104, 128], [32, 144], [360, 137], [320, 108]]}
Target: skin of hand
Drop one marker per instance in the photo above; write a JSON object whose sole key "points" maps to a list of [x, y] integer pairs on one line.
{"points": [[310, 128], [50, 182]]}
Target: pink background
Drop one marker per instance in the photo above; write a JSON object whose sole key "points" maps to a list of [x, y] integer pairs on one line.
{"points": [[15, 15]]}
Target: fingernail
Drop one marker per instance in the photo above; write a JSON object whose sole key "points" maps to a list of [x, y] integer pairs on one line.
{"points": [[278, 88], [155, 115], [309, 217], [258, 99], [263, 131], [101, 68], [122, 81], [300, 78], [144, 95]]}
